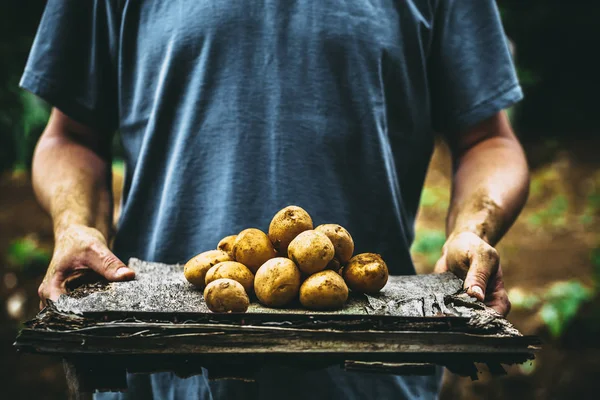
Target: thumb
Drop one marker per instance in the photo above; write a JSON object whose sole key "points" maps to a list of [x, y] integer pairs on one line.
{"points": [[484, 265], [441, 265], [105, 263]]}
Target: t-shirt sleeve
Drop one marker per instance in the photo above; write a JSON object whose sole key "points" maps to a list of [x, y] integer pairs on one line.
{"points": [[471, 71], [72, 63]]}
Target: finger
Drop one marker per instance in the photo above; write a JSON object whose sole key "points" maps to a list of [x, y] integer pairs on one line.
{"points": [[55, 292], [499, 302], [105, 263], [42, 294], [51, 289], [440, 266], [484, 264], [497, 297]]}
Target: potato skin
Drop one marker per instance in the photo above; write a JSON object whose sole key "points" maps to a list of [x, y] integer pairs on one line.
{"points": [[225, 296], [325, 290], [253, 248], [277, 282], [366, 273], [196, 268], [341, 239], [311, 251], [286, 225], [226, 244], [232, 270]]}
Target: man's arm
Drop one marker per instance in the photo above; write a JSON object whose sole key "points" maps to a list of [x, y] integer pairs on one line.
{"points": [[71, 179], [490, 187]]}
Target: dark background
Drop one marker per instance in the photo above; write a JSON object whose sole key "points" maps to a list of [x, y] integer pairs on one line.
{"points": [[551, 256]]}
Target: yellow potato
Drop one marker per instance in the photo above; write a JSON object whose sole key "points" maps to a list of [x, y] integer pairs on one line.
{"points": [[311, 251], [325, 290], [253, 248], [341, 239], [226, 244], [286, 225], [277, 282], [232, 270], [225, 296], [366, 273], [195, 269]]}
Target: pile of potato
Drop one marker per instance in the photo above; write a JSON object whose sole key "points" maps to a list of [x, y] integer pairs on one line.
{"points": [[294, 261]]}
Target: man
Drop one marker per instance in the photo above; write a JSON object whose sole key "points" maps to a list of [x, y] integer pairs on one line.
{"points": [[230, 110]]}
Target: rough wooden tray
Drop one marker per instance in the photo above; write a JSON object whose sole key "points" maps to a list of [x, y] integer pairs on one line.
{"points": [[160, 322]]}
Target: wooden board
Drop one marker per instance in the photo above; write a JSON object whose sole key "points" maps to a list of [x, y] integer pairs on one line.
{"points": [[159, 321]]}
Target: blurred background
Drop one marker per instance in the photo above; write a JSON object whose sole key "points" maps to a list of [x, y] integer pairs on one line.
{"points": [[551, 257]]}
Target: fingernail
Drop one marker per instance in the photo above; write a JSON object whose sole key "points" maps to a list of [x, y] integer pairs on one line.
{"points": [[477, 290], [121, 271]]}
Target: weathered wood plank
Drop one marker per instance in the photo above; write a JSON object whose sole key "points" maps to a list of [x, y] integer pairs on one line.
{"points": [[163, 288], [159, 322]]}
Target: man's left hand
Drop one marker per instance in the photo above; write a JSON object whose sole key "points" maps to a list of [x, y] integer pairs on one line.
{"points": [[471, 258]]}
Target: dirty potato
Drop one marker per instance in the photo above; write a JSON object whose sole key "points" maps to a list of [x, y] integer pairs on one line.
{"points": [[226, 296], [253, 248], [286, 225], [226, 244], [277, 282], [341, 239], [366, 273], [195, 269], [311, 251], [232, 270], [325, 290]]}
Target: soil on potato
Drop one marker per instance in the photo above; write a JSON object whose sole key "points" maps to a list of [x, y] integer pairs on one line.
{"points": [[543, 247]]}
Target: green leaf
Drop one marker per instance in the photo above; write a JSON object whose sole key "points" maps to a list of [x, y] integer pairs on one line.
{"points": [[562, 302], [428, 198], [528, 367], [553, 214], [25, 251], [586, 219], [118, 166], [433, 197], [593, 201], [522, 300], [429, 243], [595, 260], [552, 319]]}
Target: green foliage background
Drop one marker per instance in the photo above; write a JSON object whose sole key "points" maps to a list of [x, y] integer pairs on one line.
{"points": [[22, 115]]}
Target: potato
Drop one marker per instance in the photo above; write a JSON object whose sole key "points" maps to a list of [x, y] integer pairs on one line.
{"points": [[225, 296], [253, 248], [226, 244], [341, 239], [366, 273], [325, 290], [286, 225], [232, 270], [311, 251], [277, 282], [334, 265], [195, 269]]}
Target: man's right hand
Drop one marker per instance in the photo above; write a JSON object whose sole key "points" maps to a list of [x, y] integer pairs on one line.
{"points": [[79, 250]]}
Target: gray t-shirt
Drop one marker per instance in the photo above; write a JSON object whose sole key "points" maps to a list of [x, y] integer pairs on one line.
{"points": [[231, 110]]}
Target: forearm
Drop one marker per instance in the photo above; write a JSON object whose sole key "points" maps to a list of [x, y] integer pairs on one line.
{"points": [[490, 184], [71, 179]]}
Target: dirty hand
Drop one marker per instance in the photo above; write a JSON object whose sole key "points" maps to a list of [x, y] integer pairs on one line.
{"points": [[79, 250], [474, 260]]}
